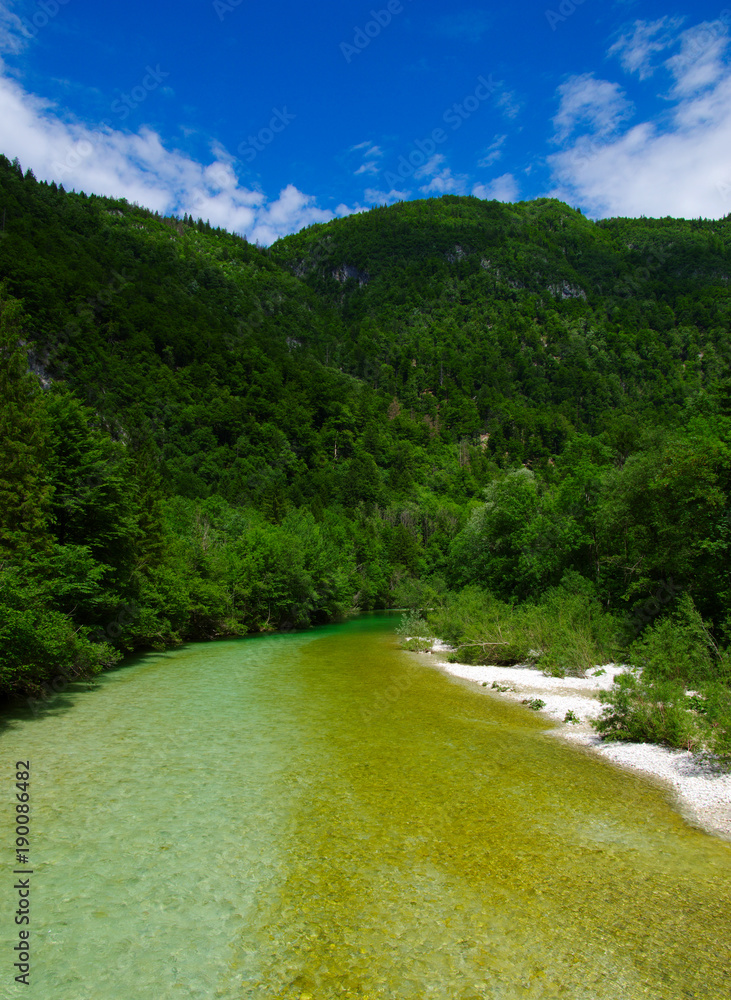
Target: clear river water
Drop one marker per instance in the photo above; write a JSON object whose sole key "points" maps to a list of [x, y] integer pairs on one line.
{"points": [[320, 815]]}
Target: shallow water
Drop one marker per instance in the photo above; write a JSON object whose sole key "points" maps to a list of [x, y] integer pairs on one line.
{"points": [[318, 815]]}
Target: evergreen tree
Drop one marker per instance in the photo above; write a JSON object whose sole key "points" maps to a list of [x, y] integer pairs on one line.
{"points": [[24, 490]]}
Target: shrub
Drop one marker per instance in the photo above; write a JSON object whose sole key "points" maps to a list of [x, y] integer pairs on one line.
{"points": [[566, 633], [678, 647], [641, 710], [535, 703], [39, 645], [414, 632], [714, 708]]}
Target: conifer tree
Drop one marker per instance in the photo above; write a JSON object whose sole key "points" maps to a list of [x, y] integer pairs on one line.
{"points": [[24, 491]]}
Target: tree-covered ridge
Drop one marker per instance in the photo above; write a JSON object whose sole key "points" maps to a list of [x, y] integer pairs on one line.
{"points": [[492, 310], [203, 438]]}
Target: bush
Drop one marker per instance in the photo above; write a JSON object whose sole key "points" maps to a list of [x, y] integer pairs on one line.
{"points": [[714, 708], [641, 710], [678, 647], [566, 633], [39, 644], [535, 703], [482, 628], [414, 632]]}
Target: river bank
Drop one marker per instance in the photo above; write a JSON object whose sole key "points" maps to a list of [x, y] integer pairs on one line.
{"points": [[700, 788]]}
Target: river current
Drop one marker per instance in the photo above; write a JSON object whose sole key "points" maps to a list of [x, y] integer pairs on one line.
{"points": [[319, 815]]}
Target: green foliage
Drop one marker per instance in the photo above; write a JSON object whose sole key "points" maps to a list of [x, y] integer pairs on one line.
{"points": [[678, 648], [39, 646], [641, 710], [414, 632], [24, 490], [535, 703], [714, 709], [563, 632], [202, 438]]}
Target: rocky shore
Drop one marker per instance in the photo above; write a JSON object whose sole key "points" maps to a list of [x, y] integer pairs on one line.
{"points": [[700, 786]]}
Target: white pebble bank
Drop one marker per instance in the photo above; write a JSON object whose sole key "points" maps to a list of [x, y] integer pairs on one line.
{"points": [[701, 789]]}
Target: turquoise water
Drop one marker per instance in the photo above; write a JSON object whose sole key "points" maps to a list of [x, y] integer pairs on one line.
{"points": [[318, 815]]}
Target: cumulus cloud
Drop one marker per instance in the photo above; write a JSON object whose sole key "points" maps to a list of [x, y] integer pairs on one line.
{"points": [[679, 166], [440, 178], [503, 188], [376, 197], [344, 209], [445, 182], [141, 169], [598, 105], [636, 49]]}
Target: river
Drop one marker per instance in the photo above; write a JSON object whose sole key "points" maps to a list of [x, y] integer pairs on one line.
{"points": [[319, 815]]}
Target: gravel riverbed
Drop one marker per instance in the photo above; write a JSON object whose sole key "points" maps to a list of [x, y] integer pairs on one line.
{"points": [[701, 788]]}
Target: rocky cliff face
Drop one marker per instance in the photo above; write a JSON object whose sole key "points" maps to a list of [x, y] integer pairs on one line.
{"points": [[346, 271]]}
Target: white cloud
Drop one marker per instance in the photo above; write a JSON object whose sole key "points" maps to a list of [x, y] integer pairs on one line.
{"points": [[508, 103], [446, 183], [678, 165], [376, 197], [371, 154], [441, 179], [699, 64], [595, 104], [344, 209], [503, 188], [141, 169], [493, 152], [684, 171], [11, 29], [432, 166], [369, 167], [636, 50]]}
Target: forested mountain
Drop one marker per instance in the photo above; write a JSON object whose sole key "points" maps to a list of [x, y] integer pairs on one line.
{"points": [[202, 437]]}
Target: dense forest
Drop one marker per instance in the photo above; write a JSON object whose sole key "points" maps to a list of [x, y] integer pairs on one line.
{"points": [[509, 418]]}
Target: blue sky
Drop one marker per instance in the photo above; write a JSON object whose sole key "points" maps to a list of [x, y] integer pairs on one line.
{"points": [[266, 118]]}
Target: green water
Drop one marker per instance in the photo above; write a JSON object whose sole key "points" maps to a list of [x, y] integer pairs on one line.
{"points": [[318, 815]]}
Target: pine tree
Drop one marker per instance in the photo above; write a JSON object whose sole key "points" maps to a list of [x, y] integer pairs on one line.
{"points": [[24, 491]]}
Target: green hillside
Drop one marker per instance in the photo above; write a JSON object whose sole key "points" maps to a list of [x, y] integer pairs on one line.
{"points": [[444, 403]]}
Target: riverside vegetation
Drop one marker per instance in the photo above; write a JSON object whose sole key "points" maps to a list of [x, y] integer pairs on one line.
{"points": [[509, 414]]}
